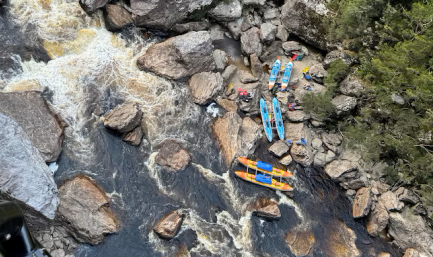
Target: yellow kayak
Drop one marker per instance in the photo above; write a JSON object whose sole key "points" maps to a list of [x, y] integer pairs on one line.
{"points": [[263, 180], [264, 167]]}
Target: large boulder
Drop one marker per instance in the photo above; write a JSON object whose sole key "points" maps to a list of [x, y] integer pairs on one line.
{"points": [[172, 156], [290, 46], [300, 92], [265, 207], [227, 11], [116, 17], [306, 19], [158, 14], [123, 118], [337, 168], [268, 32], [391, 201], [251, 133], [23, 172], [220, 58], [301, 154], [134, 136], [300, 241], [180, 56], [205, 86], [168, 226], [352, 86], [362, 202], [84, 208], [250, 42], [32, 113], [378, 219], [226, 131], [91, 6], [332, 141], [346, 56], [343, 103], [341, 240], [410, 230]]}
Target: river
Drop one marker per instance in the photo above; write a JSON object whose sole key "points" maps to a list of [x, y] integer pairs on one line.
{"points": [[92, 69]]}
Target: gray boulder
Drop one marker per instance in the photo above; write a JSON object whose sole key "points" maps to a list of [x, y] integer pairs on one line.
{"points": [[250, 135], [116, 17], [246, 77], [182, 28], [23, 172], [250, 42], [407, 196], [318, 73], [180, 56], [343, 103], [398, 99], [205, 86], [253, 2], [337, 168], [268, 32], [290, 46], [297, 116], [306, 19], [271, 13], [332, 141], [352, 86], [282, 33], [235, 28], [157, 14], [391, 201], [32, 113], [346, 56], [226, 132], [229, 72], [378, 219], [123, 118], [91, 6], [320, 160], [256, 66], [279, 148], [227, 11], [220, 59], [84, 210], [172, 156]]}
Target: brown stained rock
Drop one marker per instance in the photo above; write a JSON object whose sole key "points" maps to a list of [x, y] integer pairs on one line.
{"points": [[168, 226], [172, 156], [267, 208], [411, 252], [32, 113], [134, 137], [250, 134], [116, 17], [180, 56], [123, 118], [341, 241], [84, 208], [227, 104], [378, 219], [205, 86], [300, 242], [361, 203], [226, 131]]}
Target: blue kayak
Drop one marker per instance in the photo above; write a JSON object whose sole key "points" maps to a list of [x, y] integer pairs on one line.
{"points": [[265, 119], [274, 73], [286, 77], [278, 118]]}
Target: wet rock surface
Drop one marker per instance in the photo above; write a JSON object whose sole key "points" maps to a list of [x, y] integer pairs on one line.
{"points": [[268, 208], [172, 156], [180, 56], [32, 113], [168, 226], [91, 6], [23, 172], [117, 17], [84, 208], [134, 137], [205, 86], [300, 242], [123, 118]]}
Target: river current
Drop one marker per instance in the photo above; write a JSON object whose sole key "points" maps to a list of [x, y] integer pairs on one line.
{"points": [[91, 69]]}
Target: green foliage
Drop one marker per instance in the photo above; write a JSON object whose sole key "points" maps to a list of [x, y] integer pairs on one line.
{"points": [[337, 71], [318, 105], [398, 61]]}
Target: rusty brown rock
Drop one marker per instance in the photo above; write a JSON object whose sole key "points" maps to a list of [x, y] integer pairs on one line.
{"points": [[226, 131], [300, 242], [227, 104], [168, 226], [172, 156], [361, 203], [123, 118], [378, 219], [341, 242], [266, 207], [116, 17], [134, 137], [84, 208]]}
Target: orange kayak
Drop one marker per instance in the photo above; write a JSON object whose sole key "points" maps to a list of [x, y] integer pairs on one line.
{"points": [[267, 182], [264, 167]]}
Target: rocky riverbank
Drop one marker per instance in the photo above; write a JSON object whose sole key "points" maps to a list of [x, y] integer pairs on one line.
{"points": [[187, 71]]}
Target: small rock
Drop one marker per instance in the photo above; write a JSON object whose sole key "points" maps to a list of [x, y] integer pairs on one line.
{"points": [[123, 118], [320, 159], [270, 14], [182, 28], [235, 28], [337, 168], [220, 59], [55, 234], [58, 244], [46, 237], [168, 226], [91, 6], [419, 209], [361, 203], [254, 2], [330, 156], [250, 42], [246, 61], [117, 17], [58, 253], [227, 11], [343, 103], [316, 143], [318, 73], [290, 46], [48, 244], [256, 66], [268, 32], [352, 86], [297, 116], [229, 72], [246, 77], [350, 192], [268, 208], [332, 141], [205, 86], [282, 33], [227, 104], [69, 255], [317, 123], [301, 155], [279, 148], [380, 187], [172, 156], [134, 137], [398, 99], [286, 160]]}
